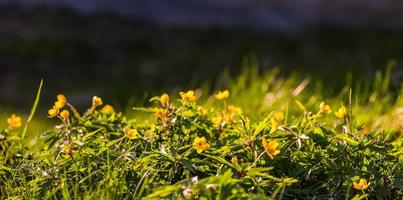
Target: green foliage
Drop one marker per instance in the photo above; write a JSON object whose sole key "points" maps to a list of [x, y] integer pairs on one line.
{"points": [[276, 145]]}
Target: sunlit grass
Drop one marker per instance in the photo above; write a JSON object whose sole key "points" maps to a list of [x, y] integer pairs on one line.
{"points": [[269, 136]]}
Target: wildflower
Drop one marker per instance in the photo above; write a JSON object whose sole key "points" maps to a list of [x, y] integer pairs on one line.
{"points": [[53, 112], [200, 144], [14, 121], [96, 101], [279, 116], [131, 133], [61, 101], [59, 104], [361, 185], [189, 96], [342, 112], [61, 98], [65, 115], [161, 114], [234, 110], [324, 108], [222, 95], [270, 147], [107, 109], [164, 99]]}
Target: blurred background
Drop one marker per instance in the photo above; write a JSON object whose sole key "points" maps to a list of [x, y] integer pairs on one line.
{"points": [[127, 49]]}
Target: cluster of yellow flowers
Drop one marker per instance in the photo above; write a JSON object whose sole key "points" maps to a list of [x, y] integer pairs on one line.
{"points": [[227, 116], [58, 105], [325, 108], [61, 102]]}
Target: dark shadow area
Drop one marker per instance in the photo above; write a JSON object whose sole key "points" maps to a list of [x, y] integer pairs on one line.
{"points": [[117, 57]]}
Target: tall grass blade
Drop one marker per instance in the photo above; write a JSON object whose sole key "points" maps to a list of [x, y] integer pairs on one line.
{"points": [[31, 115]]}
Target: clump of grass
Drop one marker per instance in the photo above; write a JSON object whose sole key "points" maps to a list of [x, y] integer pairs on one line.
{"points": [[264, 137]]}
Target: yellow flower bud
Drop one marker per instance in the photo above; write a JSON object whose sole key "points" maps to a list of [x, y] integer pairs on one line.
{"points": [[279, 116], [341, 113], [65, 115], [164, 99], [96, 101], [324, 108], [53, 112], [107, 109], [59, 104], [61, 98]]}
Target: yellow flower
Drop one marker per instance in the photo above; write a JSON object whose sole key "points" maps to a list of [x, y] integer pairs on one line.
{"points": [[131, 133], [59, 104], [324, 108], [14, 121], [96, 101], [62, 99], [164, 99], [234, 110], [222, 95], [189, 96], [107, 109], [53, 112], [200, 144], [361, 185], [279, 116], [161, 114], [342, 112], [65, 115], [270, 147]]}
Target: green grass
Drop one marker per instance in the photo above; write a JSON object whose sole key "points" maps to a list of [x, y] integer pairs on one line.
{"points": [[321, 155]]}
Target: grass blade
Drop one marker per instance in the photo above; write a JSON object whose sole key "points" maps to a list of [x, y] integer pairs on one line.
{"points": [[31, 115]]}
